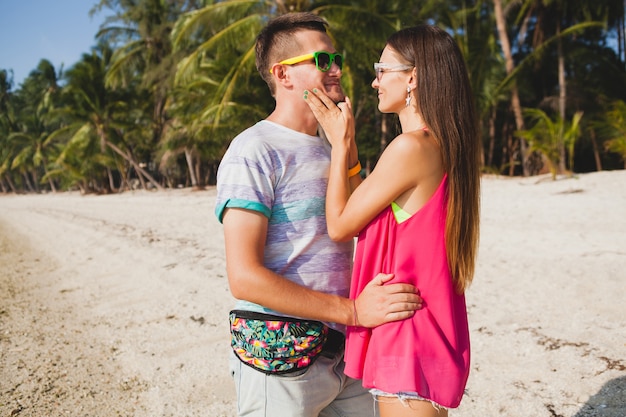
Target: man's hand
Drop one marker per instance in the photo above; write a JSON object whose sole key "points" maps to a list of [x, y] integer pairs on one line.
{"points": [[378, 303]]}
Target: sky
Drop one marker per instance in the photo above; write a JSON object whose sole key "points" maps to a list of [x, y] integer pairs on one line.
{"points": [[57, 30]]}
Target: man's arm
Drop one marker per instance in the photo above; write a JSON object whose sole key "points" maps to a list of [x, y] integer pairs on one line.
{"points": [[244, 235]]}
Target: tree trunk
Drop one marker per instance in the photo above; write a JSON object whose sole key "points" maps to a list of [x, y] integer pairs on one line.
{"points": [[512, 155], [492, 136], [50, 180], [562, 97], [111, 180], [190, 166], [140, 176], [596, 152], [384, 131], [510, 66], [198, 168], [27, 181], [11, 183], [129, 158], [53, 186], [35, 180], [621, 41], [141, 173]]}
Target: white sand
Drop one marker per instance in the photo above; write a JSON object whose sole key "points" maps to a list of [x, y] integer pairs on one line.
{"points": [[117, 305]]}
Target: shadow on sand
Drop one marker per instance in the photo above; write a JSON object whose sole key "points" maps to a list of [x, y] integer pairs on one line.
{"points": [[610, 401]]}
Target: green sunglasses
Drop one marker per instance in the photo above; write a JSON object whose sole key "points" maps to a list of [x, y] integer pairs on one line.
{"points": [[323, 60]]}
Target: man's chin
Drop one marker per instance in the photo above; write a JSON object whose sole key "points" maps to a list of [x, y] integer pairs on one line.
{"points": [[335, 93], [337, 97]]}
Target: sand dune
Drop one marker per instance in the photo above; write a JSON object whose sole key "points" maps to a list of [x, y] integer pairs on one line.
{"points": [[117, 305]]}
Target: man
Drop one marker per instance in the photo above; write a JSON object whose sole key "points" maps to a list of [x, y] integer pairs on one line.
{"points": [[279, 258]]}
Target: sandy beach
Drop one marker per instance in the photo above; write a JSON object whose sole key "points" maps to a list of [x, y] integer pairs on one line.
{"points": [[117, 305]]}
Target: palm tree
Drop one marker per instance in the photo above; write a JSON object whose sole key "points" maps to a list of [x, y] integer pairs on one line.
{"points": [[614, 129], [99, 114], [7, 124], [555, 25], [35, 104], [547, 135], [192, 133], [510, 66], [145, 53], [473, 30]]}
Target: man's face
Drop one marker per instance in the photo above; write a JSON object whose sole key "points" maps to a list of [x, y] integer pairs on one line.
{"points": [[306, 76]]}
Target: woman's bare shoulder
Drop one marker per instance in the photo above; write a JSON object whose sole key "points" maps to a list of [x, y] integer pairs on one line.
{"points": [[417, 146]]}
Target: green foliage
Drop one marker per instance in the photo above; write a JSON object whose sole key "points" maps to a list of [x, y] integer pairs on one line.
{"points": [[615, 129], [170, 83], [547, 135]]}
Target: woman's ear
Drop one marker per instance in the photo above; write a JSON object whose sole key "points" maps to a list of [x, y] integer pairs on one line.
{"points": [[413, 79]]}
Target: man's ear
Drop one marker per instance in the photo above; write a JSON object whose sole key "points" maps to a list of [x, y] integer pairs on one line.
{"points": [[279, 72], [281, 75]]}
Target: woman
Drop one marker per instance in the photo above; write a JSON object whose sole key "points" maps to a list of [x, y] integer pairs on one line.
{"points": [[416, 216]]}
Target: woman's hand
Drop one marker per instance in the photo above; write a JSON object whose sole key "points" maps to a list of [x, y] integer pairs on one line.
{"points": [[337, 120]]}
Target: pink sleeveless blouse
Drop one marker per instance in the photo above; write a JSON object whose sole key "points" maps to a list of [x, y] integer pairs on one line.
{"points": [[429, 353]]}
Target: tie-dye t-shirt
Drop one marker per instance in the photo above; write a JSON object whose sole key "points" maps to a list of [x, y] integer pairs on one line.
{"points": [[283, 174]]}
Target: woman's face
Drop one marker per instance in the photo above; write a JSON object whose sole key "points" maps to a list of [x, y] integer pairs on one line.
{"points": [[392, 79]]}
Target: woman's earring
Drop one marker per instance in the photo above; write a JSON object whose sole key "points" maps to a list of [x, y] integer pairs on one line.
{"points": [[408, 96]]}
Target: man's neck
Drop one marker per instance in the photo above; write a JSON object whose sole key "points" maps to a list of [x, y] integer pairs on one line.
{"points": [[295, 118]]}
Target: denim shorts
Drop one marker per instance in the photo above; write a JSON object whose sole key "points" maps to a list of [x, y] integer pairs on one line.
{"points": [[403, 397]]}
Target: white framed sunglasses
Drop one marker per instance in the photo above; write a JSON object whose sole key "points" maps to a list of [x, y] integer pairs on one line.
{"points": [[381, 67]]}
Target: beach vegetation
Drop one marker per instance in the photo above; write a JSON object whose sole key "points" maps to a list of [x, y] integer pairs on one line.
{"points": [[548, 136], [613, 128], [167, 85]]}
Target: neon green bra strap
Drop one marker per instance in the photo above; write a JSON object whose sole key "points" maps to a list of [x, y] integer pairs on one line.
{"points": [[399, 213]]}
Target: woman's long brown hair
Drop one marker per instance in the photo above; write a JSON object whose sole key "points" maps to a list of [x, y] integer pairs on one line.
{"points": [[446, 103]]}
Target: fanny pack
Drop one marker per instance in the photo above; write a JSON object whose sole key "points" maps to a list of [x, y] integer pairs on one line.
{"points": [[276, 344]]}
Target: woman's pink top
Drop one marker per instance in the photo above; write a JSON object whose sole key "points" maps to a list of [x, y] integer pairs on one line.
{"points": [[429, 353]]}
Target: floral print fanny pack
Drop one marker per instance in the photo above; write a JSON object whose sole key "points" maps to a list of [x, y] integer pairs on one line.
{"points": [[275, 344]]}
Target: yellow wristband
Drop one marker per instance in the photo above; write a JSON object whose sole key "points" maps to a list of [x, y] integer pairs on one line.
{"points": [[354, 170]]}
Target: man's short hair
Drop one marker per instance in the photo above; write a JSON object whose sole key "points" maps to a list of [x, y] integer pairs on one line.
{"points": [[276, 42]]}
